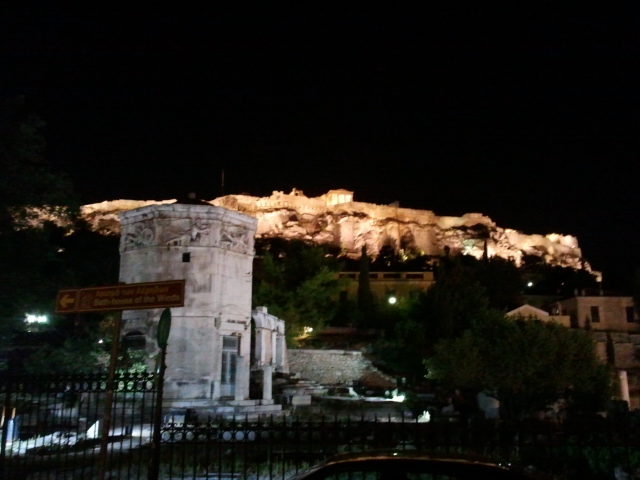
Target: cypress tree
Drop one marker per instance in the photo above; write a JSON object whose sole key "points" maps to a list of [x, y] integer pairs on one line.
{"points": [[365, 296]]}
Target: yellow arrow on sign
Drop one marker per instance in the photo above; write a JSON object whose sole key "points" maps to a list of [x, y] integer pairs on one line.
{"points": [[66, 300]]}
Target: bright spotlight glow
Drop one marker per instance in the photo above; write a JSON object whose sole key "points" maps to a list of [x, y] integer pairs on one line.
{"points": [[530, 284], [32, 318], [397, 398], [392, 300], [425, 417], [308, 330]]}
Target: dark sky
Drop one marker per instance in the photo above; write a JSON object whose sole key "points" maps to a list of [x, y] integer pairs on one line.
{"points": [[529, 115]]}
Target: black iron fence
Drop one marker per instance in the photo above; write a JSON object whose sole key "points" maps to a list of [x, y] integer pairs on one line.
{"points": [[52, 429], [55, 424]]}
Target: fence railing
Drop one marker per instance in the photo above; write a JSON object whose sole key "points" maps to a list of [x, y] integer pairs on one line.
{"points": [[51, 429], [53, 424]]}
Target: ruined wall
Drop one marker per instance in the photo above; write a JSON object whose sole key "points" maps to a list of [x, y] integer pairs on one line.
{"points": [[336, 367]]}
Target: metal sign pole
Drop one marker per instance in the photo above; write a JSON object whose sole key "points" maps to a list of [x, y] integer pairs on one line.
{"points": [[164, 326], [108, 399]]}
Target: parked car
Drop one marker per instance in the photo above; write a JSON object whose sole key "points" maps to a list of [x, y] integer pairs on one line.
{"points": [[407, 466]]}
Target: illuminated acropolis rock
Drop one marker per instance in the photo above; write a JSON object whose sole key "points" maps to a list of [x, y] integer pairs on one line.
{"points": [[336, 219]]}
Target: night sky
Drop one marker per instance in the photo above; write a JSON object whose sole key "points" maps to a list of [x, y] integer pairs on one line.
{"points": [[529, 115]]}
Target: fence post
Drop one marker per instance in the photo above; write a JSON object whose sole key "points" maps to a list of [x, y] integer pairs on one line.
{"points": [[106, 418], [154, 464], [5, 426], [164, 326]]}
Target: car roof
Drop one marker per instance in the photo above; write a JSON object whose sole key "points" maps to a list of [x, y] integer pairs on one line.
{"points": [[465, 465]]}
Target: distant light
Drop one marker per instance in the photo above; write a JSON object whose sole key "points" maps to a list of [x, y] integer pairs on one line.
{"points": [[530, 284], [425, 417], [398, 398], [392, 300], [31, 318], [308, 330], [101, 341]]}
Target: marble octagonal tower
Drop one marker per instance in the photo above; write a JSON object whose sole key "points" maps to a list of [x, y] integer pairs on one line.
{"points": [[212, 249]]}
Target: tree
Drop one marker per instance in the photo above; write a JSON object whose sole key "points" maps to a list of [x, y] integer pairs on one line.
{"points": [[402, 350], [502, 281], [298, 282], [88, 258], [30, 190], [636, 290], [454, 302], [526, 364], [44, 246], [76, 355], [365, 295], [555, 280], [388, 258]]}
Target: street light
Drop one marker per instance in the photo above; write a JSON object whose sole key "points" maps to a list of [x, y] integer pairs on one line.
{"points": [[32, 318], [35, 322]]}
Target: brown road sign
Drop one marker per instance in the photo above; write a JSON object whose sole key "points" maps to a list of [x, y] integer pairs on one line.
{"points": [[131, 296]]}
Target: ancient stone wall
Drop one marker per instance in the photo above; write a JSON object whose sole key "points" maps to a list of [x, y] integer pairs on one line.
{"points": [[336, 367]]}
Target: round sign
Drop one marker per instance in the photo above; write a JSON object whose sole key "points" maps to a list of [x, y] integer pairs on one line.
{"points": [[164, 325]]}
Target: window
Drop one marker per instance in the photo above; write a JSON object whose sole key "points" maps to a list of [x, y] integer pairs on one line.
{"points": [[631, 314], [186, 257], [595, 314], [415, 275], [391, 275], [134, 341]]}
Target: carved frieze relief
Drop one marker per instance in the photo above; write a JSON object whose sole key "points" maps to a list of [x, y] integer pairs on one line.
{"points": [[139, 234], [187, 231], [236, 239]]}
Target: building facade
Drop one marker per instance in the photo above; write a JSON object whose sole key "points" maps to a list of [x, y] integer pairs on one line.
{"points": [[599, 312], [386, 285], [615, 327], [531, 312]]}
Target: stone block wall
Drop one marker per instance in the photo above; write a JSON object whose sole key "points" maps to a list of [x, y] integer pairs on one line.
{"points": [[335, 367]]}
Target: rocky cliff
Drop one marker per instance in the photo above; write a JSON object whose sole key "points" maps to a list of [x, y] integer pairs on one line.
{"points": [[335, 218]]}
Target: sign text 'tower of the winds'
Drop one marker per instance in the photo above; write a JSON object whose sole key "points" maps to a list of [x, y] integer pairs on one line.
{"points": [[132, 296]]}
